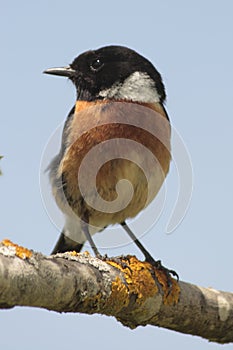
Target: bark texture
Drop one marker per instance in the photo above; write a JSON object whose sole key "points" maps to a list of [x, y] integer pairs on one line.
{"points": [[134, 292]]}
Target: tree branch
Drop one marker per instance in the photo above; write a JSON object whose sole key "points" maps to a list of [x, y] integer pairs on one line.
{"points": [[133, 291]]}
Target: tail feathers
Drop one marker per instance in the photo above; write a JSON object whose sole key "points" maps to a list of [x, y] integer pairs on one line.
{"points": [[65, 244]]}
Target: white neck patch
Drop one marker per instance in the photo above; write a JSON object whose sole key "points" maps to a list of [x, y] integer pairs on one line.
{"points": [[138, 87]]}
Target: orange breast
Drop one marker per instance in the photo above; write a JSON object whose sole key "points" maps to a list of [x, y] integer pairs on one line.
{"points": [[117, 156]]}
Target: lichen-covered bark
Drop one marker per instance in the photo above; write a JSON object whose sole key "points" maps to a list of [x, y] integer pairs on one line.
{"points": [[133, 291]]}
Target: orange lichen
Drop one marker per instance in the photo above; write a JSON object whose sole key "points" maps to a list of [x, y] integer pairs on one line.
{"points": [[171, 293], [73, 253], [119, 297], [92, 303], [140, 278], [173, 296], [21, 252]]}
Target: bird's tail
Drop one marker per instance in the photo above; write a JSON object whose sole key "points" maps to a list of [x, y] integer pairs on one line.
{"points": [[65, 244]]}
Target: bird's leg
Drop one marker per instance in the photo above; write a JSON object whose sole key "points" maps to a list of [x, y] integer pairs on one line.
{"points": [[147, 255], [85, 229], [87, 234]]}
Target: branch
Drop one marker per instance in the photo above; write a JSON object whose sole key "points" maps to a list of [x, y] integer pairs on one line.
{"points": [[133, 291]]}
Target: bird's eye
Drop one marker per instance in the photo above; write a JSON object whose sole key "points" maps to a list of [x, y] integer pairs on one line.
{"points": [[96, 65]]}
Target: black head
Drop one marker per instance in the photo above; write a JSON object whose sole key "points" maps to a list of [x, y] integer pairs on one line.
{"points": [[114, 72]]}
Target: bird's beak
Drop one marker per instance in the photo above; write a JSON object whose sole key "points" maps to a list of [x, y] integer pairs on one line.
{"points": [[62, 71]]}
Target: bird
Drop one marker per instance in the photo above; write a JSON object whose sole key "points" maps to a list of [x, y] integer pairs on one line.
{"points": [[119, 112]]}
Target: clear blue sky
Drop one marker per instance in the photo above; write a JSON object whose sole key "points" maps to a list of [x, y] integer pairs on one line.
{"points": [[191, 45]]}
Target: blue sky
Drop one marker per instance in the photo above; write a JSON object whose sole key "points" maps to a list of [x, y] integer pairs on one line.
{"points": [[191, 45]]}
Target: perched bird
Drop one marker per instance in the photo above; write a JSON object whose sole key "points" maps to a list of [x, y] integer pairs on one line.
{"points": [[120, 110]]}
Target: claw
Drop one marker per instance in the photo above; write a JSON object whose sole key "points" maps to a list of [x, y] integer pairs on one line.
{"points": [[118, 260], [158, 265]]}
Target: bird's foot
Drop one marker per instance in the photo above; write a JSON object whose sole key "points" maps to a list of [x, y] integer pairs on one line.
{"points": [[167, 272], [119, 260]]}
